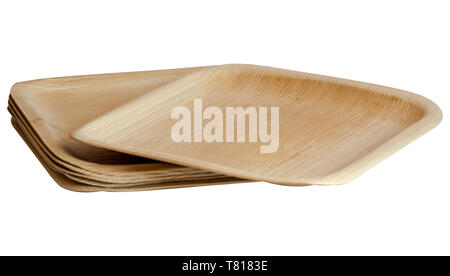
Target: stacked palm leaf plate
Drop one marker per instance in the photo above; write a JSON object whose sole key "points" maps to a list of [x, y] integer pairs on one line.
{"points": [[114, 132]]}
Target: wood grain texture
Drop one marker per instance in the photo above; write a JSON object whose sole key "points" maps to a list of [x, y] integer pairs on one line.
{"points": [[80, 186], [48, 109], [330, 131], [102, 185]]}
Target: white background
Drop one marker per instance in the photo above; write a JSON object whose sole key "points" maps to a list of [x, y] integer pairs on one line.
{"points": [[399, 207]]}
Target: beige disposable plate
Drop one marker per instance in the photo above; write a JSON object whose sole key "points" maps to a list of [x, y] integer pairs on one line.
{"points": [[330, 130], [88, 179], [79, 178], [74, 185], [50, 108]]}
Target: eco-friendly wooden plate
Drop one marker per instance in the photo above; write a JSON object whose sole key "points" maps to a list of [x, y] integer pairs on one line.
{"points": [[330, 130], [186, 178], [73, 185], [51, 108]]}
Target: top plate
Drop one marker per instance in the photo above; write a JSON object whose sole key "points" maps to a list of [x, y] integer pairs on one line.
{"points": [[329, 130]]}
